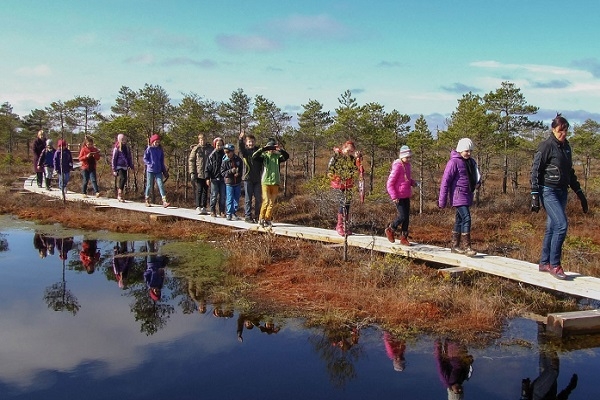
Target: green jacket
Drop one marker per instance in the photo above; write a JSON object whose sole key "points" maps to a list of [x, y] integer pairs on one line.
{"points": [[271, 161]]}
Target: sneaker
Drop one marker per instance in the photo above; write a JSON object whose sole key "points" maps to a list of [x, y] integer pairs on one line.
{"points": [[261, 223], [148, 203], [545, 268], [267, 223], [213, 214], [235, 217], [404, 241], [166, 204], [389, 233], [203, 211], [84, 195], [49, 189], [222, 215], [97, 194], [228, 217], [249, 220], [558, 272], [198, 210], [120, 199]]}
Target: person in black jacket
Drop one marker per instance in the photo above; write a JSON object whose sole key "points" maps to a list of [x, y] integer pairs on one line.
{"points": [[552, 174], [214, 177], [251, 177]]}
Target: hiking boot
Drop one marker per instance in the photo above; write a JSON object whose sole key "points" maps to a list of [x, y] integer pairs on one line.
{"points": [[468, 251], [261, 223], [213, 214], [389, 233], [455, 245], [544, 268], [558, 272], [228, 217], [404, 239], [249, 220]]}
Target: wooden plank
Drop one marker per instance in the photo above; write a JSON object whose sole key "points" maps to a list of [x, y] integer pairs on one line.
{"points": [[162, 218], [103, 208], [574, 323]]}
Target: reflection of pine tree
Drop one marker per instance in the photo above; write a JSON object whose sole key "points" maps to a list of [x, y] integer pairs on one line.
{"points": [[339, 360], [59, 298], [152, 315]]}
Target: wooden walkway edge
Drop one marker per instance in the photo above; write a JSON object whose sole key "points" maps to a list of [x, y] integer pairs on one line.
{"points": [[517, 270]]}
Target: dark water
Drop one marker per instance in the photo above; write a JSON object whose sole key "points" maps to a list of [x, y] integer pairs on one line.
{"points": [[69, 333]]}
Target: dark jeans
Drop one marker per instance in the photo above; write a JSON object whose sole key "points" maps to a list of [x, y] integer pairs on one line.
{"points": [[217, 189], [555, 203], [462, 222], [251, 190], [89, 176], [121, 178], [403, 208], [201, 192]]}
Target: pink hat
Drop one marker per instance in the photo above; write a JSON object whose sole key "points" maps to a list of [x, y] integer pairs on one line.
{"points": [[154, 138], [61, 143]]}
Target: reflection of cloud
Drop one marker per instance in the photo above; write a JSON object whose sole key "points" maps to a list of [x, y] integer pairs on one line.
{"points": [[457, 87], [206, 63], [589, 64], [553, 84], [246, 43], [37, 70], [321, 26], [35, 341]]}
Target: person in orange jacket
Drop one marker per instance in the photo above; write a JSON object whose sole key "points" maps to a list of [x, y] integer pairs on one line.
{"points": [[88, 156]]}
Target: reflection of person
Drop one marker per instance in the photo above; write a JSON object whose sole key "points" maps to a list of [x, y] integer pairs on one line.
{"points": [[89, 255], [63, 246], [41, 244], [545, 386], [197, 294], [251, 177], [223, 312], [154, 158], [38, 146], [454, 366], [122, 262], [341, 170], [271, 156], [231, 170], [89, 156], [460, 180], [196, 166], [248, 322], [154, 276], [399, 187], [552, 174], [121, 162], [394, 349], [63, 163]]}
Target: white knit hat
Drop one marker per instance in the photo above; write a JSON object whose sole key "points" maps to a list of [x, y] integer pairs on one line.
{"points": [[464, 144], [405, 152]]}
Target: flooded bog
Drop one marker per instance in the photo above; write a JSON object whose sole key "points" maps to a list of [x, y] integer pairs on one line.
{"points": [[97, 316]]}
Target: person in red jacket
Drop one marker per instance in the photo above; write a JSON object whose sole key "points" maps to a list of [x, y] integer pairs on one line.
{"points": [[88, 156]]}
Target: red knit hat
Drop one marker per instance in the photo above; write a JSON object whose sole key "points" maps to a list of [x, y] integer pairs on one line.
{"points": [[154, 138]]}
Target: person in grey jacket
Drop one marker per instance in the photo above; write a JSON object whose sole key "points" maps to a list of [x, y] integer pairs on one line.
{"points": [[552, 174], [196, 167]]}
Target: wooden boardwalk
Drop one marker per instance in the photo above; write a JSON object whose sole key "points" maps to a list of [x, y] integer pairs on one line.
{"points": [[576, 285]]}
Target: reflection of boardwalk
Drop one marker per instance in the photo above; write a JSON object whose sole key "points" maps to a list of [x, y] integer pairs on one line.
{"points": [[517, 270]]}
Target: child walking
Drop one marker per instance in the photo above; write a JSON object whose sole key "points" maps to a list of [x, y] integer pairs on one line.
{"points": [[63, 162], [399, 187], [154, 158], [461, 178], [46, 162], [271, 156], [341, 169], [231, 169], [88, 156], [121, 162]]}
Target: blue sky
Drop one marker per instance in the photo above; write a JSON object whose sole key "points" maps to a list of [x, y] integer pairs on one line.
{"points": [[415, 56]]}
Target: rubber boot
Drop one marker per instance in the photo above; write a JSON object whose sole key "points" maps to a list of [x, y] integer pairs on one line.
{"points": [[404, 239], [165, 202], [455, 246], [467, 250], [340, 224], [47, 183]]}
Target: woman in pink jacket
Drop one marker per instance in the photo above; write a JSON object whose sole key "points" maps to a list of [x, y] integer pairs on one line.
{"points": [[399, 187]]}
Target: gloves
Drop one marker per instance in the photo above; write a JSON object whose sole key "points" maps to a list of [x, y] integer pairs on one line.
{"points": [[535, 202], [583, 200]]}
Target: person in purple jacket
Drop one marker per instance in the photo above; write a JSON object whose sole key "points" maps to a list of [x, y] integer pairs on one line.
{"points": [[399, 187], [63, 163], [154, 158], [121, 162], [461, 178]]}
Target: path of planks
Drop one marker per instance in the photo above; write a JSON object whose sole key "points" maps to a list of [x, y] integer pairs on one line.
{"points": [[577, 285]]}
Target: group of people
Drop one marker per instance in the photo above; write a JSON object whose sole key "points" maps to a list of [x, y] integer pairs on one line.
{"points": [[218, 170]]}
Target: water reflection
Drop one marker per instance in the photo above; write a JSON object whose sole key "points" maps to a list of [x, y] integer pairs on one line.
{"points": [[48, 355], [89, 255], [545, 386]]}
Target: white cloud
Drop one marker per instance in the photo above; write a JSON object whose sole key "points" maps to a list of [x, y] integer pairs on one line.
{"points": [[310, 25], [246, 43], [35, 71]]}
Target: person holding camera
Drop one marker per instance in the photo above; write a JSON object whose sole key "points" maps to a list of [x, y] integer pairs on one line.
{"points": [[552, 174]]}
